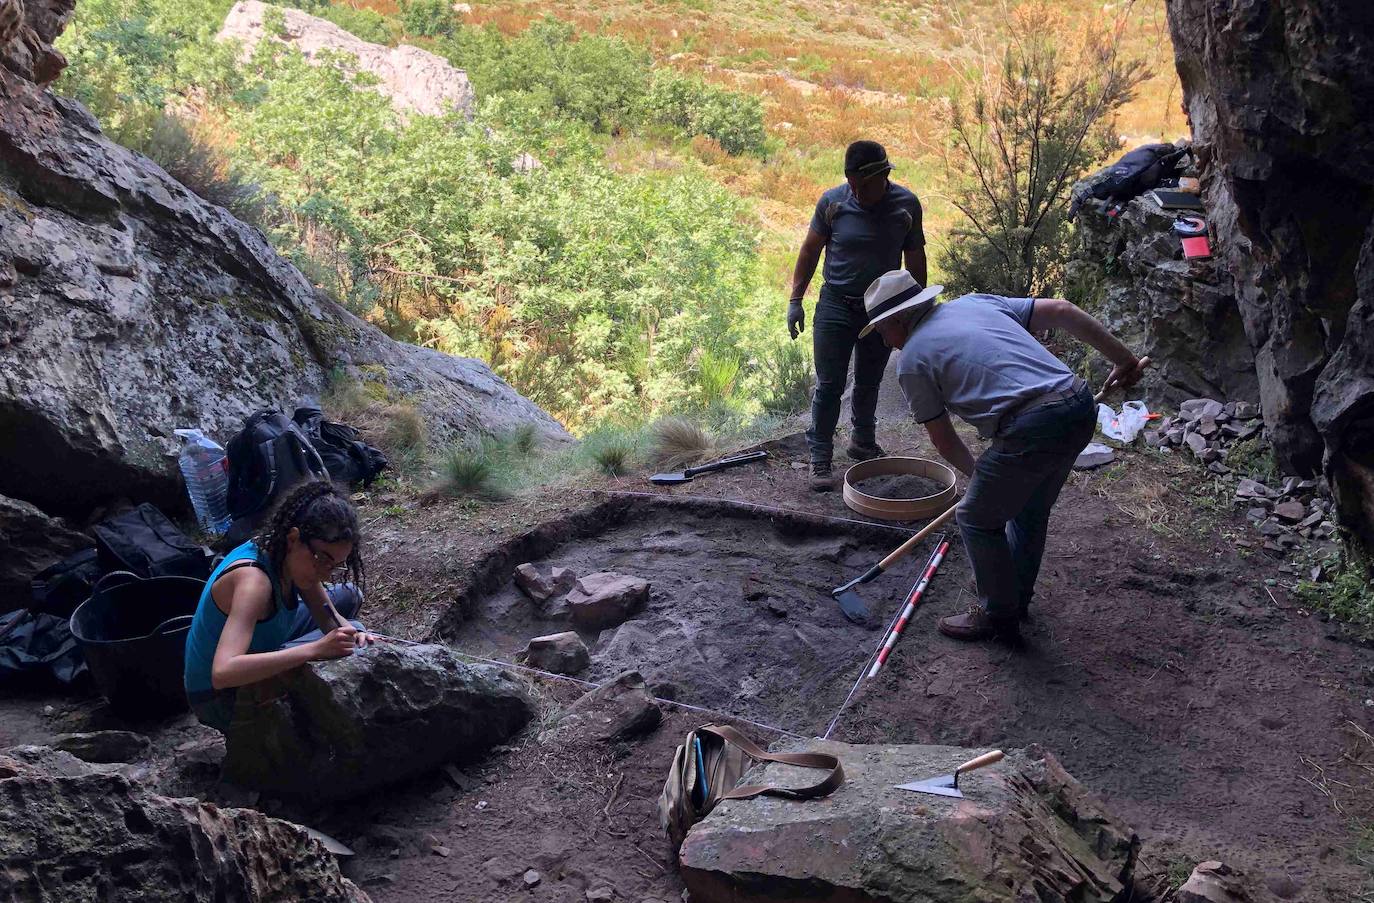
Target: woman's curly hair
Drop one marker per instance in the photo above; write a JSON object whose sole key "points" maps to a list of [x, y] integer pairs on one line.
{"points": [[319, 510]]}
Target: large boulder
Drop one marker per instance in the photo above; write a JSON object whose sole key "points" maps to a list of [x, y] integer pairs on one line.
{"points": [[32, 541], [70, 831], [339, 729], [1026, 830], [604, 600], [1278, 95], [129, 306], [415, 80]]}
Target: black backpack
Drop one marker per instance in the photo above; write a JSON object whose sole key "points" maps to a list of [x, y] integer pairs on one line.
{"points": [[58, 589], [267, 457], [1138, 171], [146, 543], [346, 457]]}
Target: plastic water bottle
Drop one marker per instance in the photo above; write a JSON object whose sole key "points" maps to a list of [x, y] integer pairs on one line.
{"points": [[206, 470]]}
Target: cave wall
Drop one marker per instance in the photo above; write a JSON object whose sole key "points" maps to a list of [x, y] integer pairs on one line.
{"points": [[1279, 95]]}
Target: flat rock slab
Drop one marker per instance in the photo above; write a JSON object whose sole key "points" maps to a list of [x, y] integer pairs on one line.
{"points": [[1026, 830], [622, 709], [561, 653], [106, 746], [339, 729]]}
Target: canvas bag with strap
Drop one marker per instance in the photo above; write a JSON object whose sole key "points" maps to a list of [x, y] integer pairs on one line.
{"points": [[726, 755]]}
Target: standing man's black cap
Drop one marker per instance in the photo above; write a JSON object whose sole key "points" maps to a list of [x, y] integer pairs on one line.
{"points": [[866, 158]]}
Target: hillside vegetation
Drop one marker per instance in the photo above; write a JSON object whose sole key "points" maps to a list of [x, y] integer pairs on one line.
{"points": [[638, 266]]}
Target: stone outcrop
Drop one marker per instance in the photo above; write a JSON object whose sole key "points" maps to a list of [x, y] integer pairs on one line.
{"points": [[415, 80], [1182, 313], [70, 831], [339, 729], [1278, 96], [1026, 830], [32, 541], [129, 307]]}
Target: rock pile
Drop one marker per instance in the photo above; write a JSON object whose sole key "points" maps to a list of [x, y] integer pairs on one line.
{"points": [[1208, 430], [595, 602]]}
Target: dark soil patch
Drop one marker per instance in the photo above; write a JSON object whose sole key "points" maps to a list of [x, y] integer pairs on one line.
{"points": [[740, 618], [900, 486]]}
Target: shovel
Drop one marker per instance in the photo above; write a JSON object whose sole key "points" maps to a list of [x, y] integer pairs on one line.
{"points": [[850, 602], [948, 784], [673, 479]]}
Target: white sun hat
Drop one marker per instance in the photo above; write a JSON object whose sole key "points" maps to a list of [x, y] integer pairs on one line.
{"points": [[894, 292]]}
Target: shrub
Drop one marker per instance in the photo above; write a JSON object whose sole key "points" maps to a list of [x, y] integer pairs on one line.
{"points": [[173, 145], [716, 378], [1348, 597], [612, 449], [523, 438], [1021, 131], [404, 430], [428, 18], [790, 376], [731, 119]]}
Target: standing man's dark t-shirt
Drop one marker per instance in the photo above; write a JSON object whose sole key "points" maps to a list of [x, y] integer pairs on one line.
{"points": [[862, 244]]}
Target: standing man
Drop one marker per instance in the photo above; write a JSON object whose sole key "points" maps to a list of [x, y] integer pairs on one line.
{"points": [[975, 357], [865, 227]]}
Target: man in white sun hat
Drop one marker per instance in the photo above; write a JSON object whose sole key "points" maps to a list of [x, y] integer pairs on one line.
{"points": [[975, 357]]}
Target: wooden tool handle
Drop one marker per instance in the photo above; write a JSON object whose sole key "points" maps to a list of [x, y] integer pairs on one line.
{"points": [[722, 464], [905, 548], [985, 759], [1140, 365]]}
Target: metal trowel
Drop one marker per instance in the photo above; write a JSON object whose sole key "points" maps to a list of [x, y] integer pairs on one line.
{"points": [[672, 479], [948, 784]]}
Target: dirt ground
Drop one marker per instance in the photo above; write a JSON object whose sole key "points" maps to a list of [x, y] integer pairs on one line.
{"points": [[1214, 714]]}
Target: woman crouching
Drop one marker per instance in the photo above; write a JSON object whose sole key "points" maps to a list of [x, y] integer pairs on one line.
{"points": [[267, 609]]}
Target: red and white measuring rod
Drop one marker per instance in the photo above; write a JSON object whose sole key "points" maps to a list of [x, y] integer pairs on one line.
{"points": [[911, 602]]}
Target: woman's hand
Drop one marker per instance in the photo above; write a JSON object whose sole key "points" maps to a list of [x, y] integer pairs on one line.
{"points": [[338, 642]]}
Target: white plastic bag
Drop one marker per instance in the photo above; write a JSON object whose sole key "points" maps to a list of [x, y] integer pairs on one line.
{"points": [[1123, 427]]}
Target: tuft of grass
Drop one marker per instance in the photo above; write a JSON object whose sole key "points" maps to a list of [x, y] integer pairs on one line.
{"points": [[1347, 597], [404, 430], [468, 469], [677, 442], [612, 450], [789, 372], [523, 438]]}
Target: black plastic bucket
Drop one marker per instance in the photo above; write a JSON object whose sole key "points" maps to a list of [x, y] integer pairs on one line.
{"points": [[133, 633]]}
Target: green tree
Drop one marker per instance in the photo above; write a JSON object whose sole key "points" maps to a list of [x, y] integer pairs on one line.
{"points": [[1021, 131]]}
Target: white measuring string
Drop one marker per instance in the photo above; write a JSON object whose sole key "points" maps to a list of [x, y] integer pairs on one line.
{"points": [[587, 683]]}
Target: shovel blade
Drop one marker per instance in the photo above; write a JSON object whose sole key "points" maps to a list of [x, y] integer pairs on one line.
{"points": [[938, 786], [669, 479], [852, 606]]}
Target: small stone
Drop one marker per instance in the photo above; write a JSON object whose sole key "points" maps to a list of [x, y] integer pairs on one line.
{"points": [[604, 600], [1218, 468], [482, 805], [1245, 410], [1307, 485], [1229, 409], [1153, 438], [1326, 529], [532, 878], [1290, 511], [1095, 455], [601, 894], [1250, 430], [1207, 427], [542, 588], [1211, 454], [559, 653], [1257, 514], [1173, 437], [1312, 519], [106, 747], [1317, 573], [1290, 485], [1252, 489], [1271, 527], [1195, 442]]}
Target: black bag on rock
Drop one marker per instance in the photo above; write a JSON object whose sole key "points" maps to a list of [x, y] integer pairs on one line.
{"points": [[58, 589], [266, 458], [146, 543], [347, 458]]}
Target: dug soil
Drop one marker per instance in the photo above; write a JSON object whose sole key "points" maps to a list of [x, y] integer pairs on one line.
{"points": [[900, 486], [1215, 714]]}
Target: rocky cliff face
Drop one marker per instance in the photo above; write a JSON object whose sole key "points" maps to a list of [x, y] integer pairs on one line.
{"points": [[129, 306], [1182, 313], [1279, 96]]}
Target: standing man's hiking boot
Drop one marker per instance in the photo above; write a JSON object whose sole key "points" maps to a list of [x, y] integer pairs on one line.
{"points": [[865, 451], [821, 478], [974, 625]]}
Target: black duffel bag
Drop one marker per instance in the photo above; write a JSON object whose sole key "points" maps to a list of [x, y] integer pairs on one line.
{"points": [[144, 542]]}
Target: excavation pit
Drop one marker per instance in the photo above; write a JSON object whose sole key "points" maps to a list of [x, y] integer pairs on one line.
{"points": [[740, 617]]}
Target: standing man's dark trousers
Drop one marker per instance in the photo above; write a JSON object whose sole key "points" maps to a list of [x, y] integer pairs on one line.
{"points": [[1005, 511], [835, 338]]}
